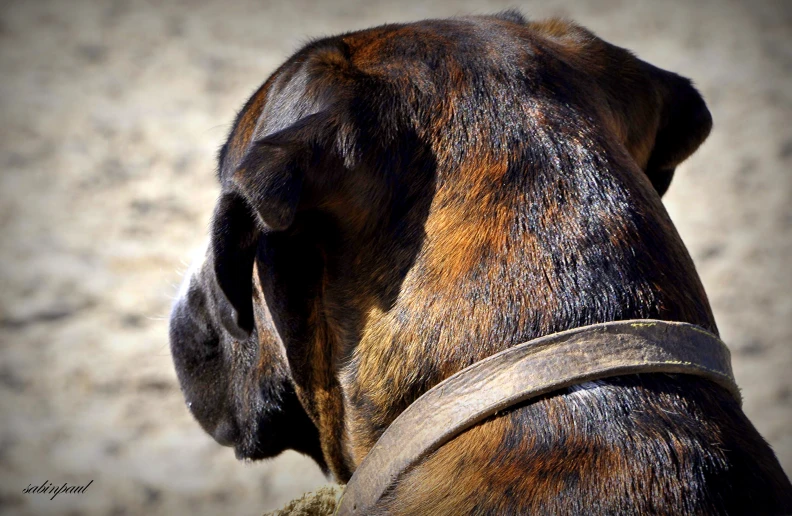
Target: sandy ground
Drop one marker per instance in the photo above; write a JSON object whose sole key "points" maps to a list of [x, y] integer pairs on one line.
{"points": [[110, 116]]}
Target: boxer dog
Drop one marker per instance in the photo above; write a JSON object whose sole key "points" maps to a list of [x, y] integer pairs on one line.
{"points": [[402, 202]]}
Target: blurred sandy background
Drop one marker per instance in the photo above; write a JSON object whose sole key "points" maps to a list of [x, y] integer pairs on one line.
{"points": [[111, 113]]}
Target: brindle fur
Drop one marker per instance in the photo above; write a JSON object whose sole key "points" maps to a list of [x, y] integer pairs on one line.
{"points": [[411, 199]]}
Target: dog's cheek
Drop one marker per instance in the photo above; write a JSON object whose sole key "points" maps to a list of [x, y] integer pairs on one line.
{"points": [[271, 418]]}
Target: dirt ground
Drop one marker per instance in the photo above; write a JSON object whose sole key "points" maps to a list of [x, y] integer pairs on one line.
{"points": [[110, 116]]}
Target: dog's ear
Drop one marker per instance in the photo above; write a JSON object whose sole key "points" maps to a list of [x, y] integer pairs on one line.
{"points": [[271, 175], [234, 238], [684, 124], [262, 194]]}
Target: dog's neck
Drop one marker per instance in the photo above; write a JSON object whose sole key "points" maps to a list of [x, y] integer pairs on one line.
{"points": [[469, 271]]}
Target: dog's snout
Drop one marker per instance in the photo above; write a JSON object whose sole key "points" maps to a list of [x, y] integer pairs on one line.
{"points": [[214, 418], [196, 263], [225, 433]]}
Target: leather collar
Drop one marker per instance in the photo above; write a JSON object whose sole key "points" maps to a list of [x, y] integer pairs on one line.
{"points": [[526, 371]]}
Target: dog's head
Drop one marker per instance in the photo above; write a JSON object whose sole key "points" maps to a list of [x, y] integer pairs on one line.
{"points": [[367, 189]]}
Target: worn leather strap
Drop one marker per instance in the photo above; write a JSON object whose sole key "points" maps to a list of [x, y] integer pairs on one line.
{"points": [[526, 371]]}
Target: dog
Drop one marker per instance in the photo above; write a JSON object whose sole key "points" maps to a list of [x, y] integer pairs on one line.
{"points": [[402, 202]]}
